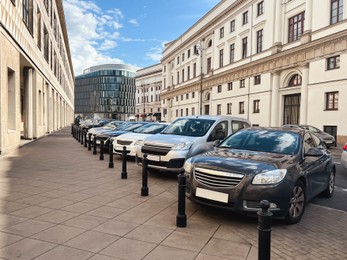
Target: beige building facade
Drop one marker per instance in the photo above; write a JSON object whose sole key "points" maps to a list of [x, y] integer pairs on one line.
{"points": [[273, 62], [148, 88], [36, 74]]}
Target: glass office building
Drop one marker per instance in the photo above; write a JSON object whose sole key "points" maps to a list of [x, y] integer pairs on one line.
{"points": [[106, 91]]}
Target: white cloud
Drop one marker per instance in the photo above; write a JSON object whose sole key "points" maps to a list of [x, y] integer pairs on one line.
{"points": [[133, 21], [155, 54], [107, 45]]}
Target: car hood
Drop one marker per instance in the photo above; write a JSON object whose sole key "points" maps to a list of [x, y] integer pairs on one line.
{"points": [[168, 140], [133, 136], [242, 161], [113, 133], [323, 135]]}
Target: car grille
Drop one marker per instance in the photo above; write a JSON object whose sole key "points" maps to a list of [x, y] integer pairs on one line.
{"points": [[156, 150], [122, 142], [218, 179]]}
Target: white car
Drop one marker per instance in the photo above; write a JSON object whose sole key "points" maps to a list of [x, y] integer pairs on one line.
{"points": [[131, 140], [344, 157]]}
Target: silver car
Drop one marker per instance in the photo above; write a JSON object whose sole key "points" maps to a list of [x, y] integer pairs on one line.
{"points": [[185, 137], [344, 157]]}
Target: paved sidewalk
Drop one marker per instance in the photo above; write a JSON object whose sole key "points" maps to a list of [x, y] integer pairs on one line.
{"points": [[59, 201]]}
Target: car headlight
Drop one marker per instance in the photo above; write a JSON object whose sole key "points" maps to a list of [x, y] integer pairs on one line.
{"points": [[188, 166], [271, 177], [182, 146], [139, 143]]}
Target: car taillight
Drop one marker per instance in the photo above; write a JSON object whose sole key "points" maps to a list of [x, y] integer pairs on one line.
{"points": [[345, 147]]}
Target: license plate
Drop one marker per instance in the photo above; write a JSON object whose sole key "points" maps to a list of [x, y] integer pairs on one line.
{"points": [[212, 195], [118, 148], [153, 158]]}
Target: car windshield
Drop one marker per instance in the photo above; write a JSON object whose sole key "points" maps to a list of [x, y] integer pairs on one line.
{"points": [[130, 126], [189, 127], [270, 141], [311, 128], [150, 129]]}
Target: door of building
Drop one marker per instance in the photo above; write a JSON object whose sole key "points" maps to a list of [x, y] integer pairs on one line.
{"points": [[291, 109]]}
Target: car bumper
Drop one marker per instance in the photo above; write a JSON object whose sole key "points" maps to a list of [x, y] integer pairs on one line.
{"points": [[130, 149]]}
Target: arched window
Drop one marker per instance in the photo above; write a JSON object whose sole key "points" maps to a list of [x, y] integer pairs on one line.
{"points": [[209, 43], [207, 97], [295, 80]]}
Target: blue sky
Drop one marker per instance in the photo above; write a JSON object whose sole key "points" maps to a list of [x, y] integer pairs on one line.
{"points": [[127, 31]]}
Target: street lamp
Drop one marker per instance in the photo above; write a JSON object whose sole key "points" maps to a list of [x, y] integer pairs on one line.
{"points": [[199, 52]]}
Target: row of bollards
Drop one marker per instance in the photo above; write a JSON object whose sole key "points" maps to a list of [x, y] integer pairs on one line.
{"points": [[264, 216]]}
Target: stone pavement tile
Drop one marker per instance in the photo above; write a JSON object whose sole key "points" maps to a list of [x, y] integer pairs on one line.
{"points": [[28, 228], [80, 207], [226, 248], [85, 221], [56, 203], [102, 257], [12, 196], [54, 193], [92, 241], [114, 227], [170, 253], [149, 234], [65, 253], [210, 257], [72, 187], [192, 242], [8, 220], [163, 220], [34, 190], [25, 249], [227, 232], [128, 249], [8, 207], [99, 200], [128, 201], [253, 254], [76, 196], [58, 234], [106, 212], [57, 216], [203, 227], [31, 212], [34, 200], [7, 239]]}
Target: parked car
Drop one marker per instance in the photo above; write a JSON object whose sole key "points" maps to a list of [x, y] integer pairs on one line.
{"points": [[344, 157], [185, 137], [130, 140], [285, 166], [328, 139]]}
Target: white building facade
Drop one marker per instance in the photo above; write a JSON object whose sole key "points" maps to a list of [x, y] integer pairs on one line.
{"points": [[148, 88], [36, 82], [273, 62]]}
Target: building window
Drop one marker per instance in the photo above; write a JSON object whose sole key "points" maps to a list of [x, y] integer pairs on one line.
{"points": [[244, 47], [178, 77], [176, 98], [219, 109], [229, 108], [182, 75], [259, 41], [219, 88], [188, 72], [336, 11], [242, 83], [182, 57], [181, 112], [193, 94], [245, 18], [221, 33], [46, 43], [332, 100], [257, 80], [186, 111], [232, 53], [230, 86], [241, 107], [176, 112], [181, 97], [209, 64], [27, 13], [295, 80], [221, 57], [296, 27], [39, 36], [256, 104], [232, 26], [194, 70], [187, 96], [260, 8], [333, 63], [193, 111], [188, 54], [11, 99], [178, 60]]}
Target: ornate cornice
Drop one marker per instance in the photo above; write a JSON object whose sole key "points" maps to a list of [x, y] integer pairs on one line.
{"points": [[294, 57]]}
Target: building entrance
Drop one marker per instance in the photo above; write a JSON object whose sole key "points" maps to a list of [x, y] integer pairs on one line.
{"points": [[291, 110]]}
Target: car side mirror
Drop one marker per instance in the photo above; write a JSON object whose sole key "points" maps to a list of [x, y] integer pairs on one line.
{"points": [[314, 152]]}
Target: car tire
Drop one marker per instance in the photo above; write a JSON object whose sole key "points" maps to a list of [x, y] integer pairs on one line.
{"points": [[329, 191], [297, 203]]}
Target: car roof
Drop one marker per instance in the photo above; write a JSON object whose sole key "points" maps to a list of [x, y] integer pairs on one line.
{"points": [[213, 117], [281, 128]]}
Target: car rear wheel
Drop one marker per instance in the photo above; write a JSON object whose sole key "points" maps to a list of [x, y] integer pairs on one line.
{"points": [[331, 185], [297, 203]]}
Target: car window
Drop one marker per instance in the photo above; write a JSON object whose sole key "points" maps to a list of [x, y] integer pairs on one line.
{"points": [[150, 129], [317, 140], [270, 141], [237, 125], [189, 127], [308, 142], [219, 132]]}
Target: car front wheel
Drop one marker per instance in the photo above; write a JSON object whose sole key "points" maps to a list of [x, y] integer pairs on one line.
{"points": [[297, 203], [331, 185]]}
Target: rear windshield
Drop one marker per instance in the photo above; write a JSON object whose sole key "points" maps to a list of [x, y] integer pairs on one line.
{"points": [[189, 127], [269, 141]]}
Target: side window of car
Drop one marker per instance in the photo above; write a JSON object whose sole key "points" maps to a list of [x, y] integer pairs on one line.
{"points": [[308, 142], [219, 132], [237, 125], [317, 140]]}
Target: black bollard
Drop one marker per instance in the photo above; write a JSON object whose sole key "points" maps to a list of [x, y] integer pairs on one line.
{"points": [[77, 133], [181, 219], [264, 234], [144, 188], [72, 129], [110, 151], [101, 157], [124, 163], [85, 138], [82, 136], [94, 144], [89, 141]]}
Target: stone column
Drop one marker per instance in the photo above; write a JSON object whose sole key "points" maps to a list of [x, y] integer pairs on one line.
{"points": [[274, 107], [304, 95], [306, 37], [28, 103], [277, 42]]}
